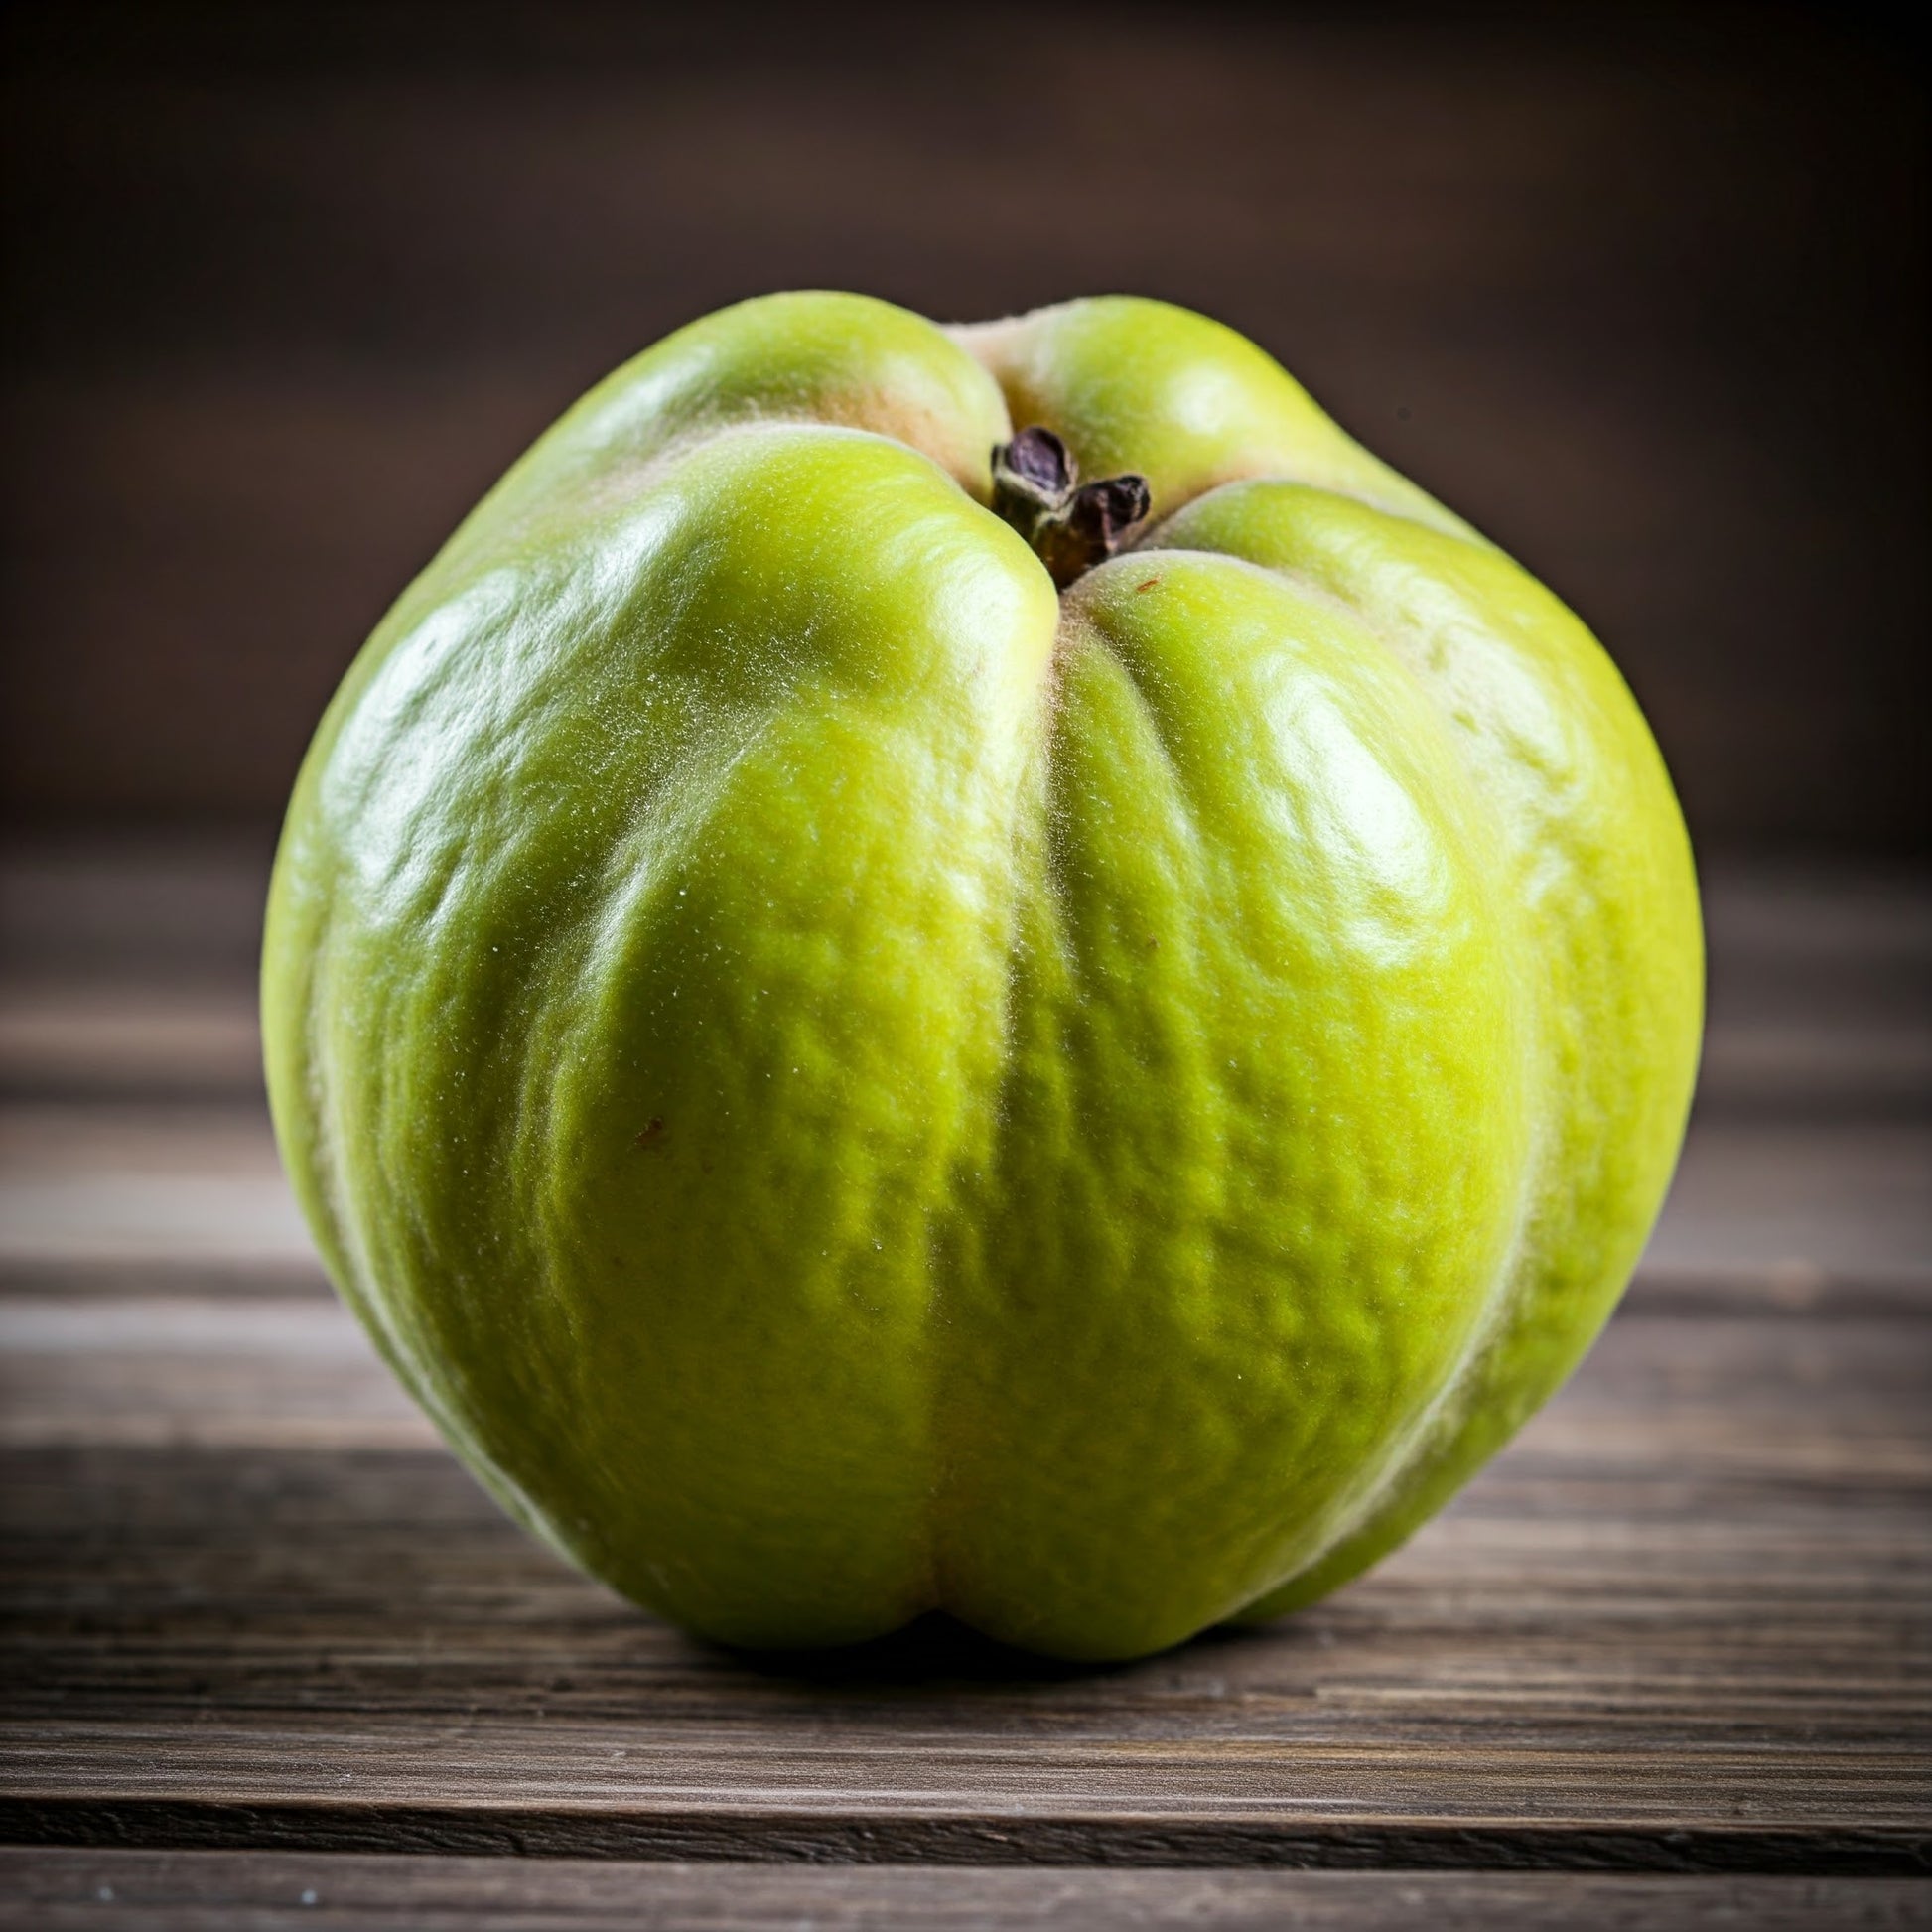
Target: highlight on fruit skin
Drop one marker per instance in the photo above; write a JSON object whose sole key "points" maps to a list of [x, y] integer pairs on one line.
{"points": [[979, 969]]}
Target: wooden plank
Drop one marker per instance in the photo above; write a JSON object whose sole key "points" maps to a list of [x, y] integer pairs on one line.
{"points": [[172, 1187], [60, 1038], [1821, 992], [128, 974], [1849, 1197], [197, 1039], [159, 1370], [1681, 1625], [87, 1183], [58, 1890], [144, 906], [251, 1600]]}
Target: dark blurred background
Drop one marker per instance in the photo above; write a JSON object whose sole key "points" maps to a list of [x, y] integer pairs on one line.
{"points": [[1642, 293]]}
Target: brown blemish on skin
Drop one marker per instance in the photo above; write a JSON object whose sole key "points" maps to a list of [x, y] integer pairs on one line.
{"points": [[1147, 586], [654, 1134]]}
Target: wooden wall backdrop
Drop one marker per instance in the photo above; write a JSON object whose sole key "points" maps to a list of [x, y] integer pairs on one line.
{"points": [[286, 288]]}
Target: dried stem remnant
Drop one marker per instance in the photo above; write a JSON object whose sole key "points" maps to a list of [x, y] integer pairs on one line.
{"points": [[1071, 525]]}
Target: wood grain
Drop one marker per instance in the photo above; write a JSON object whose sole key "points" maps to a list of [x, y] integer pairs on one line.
{"points": [[252, 1607], [1654, 1635], [1638, 292], [50, 1890]]}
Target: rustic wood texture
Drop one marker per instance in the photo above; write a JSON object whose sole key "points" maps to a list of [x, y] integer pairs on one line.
{"points": [[1640, 291], [46, 1891], [255, 1612]]}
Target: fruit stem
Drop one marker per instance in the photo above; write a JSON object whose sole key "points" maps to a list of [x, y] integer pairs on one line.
{"points": [[1072, 525]]}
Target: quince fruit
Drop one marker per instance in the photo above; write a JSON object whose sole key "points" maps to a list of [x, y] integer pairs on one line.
{"points": [[977, 969]]}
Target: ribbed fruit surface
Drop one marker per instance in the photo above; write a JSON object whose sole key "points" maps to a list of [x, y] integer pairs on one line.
{"points": [[849, 1082]]}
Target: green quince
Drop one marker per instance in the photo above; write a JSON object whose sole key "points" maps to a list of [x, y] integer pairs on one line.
{"points": [[977, 969]]}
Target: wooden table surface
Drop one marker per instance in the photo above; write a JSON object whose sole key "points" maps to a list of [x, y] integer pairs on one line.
{"points": [[271, 1657]]}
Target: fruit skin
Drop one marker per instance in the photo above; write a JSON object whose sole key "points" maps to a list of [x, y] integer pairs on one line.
{"points": [[847, 1084]]}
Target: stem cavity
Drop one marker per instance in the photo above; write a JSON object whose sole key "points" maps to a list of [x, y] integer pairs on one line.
{"points": [[1071, 525]]}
